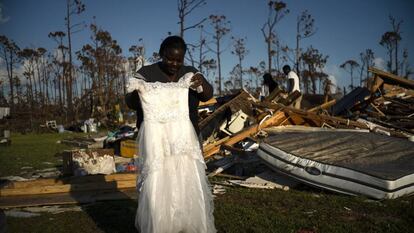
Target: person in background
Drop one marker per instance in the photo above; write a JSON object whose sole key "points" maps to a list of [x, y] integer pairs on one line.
{"points": [[293, 84], [269, 85]]}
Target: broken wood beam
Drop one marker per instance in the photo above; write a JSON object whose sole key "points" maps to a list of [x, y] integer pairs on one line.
{"points": [[376, 84], [72, 180], [290, 99], [323, 106], [214, 144], [91, 183], [274, 96], [377, 109], [337, 121], [66, 198], [392, 78]]}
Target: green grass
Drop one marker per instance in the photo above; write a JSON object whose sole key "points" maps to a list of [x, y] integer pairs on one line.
{"points": [[250, 210], [31, 150], [238, 210]]}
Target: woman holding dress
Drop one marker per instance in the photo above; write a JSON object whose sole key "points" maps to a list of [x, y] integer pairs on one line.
{"points": [[174, 194]]}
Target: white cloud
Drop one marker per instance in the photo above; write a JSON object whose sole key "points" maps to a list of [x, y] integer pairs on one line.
{"points": [[334, 83], [380, 63], [2, 18], [333, 73]]}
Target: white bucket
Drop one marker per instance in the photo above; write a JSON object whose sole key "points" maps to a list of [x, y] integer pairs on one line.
{"points": [[60, 128], [6, 133]]}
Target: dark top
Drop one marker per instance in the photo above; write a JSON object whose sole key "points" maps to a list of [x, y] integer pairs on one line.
{"points": [[153, 73], [268, 80]]}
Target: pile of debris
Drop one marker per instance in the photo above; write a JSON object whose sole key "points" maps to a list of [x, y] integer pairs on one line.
{"points": [[384, 107]]}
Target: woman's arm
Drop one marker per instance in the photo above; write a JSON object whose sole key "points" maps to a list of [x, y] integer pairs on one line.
{"points": [[133, 102]]}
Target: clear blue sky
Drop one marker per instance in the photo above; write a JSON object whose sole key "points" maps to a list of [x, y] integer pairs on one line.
{"points": [[345, 28]]}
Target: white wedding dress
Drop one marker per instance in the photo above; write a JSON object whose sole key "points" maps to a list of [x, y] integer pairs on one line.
{"points": [[174, 194]]}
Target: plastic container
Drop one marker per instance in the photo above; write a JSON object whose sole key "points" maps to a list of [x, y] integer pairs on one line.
{"points": [[6, 133], [60, 128], [129, 148]]}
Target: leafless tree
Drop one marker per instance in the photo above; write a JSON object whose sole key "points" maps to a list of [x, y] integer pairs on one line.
{"points": [[40, 69], [185, 7], [234, 76], [367, 60], [396, 30], [240, 51], [73, 7], [255, 74], [390, 40], [349, 66], [60, 64], [138, 55], [28, 56], [277, 10], [201, 49], [314, 61], [9, 51], [103, 61], [305, 28], [221, 28], [405, 66], [210, 65]]}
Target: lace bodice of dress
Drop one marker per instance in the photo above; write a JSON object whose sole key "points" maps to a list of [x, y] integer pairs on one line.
{"points": [[163, 102], [166, 130]]}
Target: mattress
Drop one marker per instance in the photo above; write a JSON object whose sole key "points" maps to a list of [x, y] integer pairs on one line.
{"points": [[355, 163]]}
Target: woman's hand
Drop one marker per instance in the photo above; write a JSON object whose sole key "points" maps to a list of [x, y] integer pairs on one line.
{"points": [[196, 81]]}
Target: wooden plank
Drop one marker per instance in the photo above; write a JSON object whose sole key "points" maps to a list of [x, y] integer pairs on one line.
{"points": [[296, 120], [377, 109], [69, 188], [214, 144], [274, 96], [377, 84], [318, 119], [337, 121], [72, 180], [392, 78], [67, 198], [290, 99], [272, 106], [323, 106]]}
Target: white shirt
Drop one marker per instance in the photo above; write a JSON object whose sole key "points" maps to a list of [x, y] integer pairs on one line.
{"points": [[294, 76]]}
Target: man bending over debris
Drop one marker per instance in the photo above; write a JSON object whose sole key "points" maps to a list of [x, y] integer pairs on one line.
{"points": [[293, 84]]}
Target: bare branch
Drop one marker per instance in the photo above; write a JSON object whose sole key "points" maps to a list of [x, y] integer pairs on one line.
{"points": [[195, 6], [196, 25]]}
